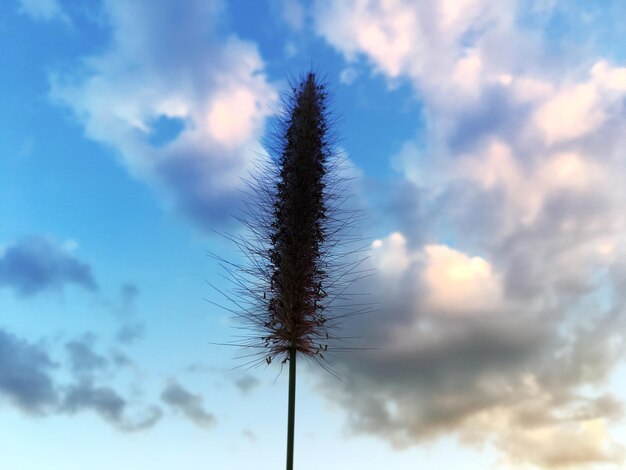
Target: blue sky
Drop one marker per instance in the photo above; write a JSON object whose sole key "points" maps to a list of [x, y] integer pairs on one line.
{"points": [[487, 141]]}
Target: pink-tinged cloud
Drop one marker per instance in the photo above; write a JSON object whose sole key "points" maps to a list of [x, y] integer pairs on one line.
{"points": [[502, 288], [182, 106]]}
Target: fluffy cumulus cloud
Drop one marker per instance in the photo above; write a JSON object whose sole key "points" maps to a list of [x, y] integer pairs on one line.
{"points": [[35, 264], [503, 305], [181, 103], [455, 353]]}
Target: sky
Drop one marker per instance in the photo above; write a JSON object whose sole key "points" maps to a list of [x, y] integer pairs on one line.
{"points": [[485, 143]]}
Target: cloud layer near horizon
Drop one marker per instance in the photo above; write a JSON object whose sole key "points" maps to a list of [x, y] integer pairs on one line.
{"points": [[29, 381], [502, 293]]}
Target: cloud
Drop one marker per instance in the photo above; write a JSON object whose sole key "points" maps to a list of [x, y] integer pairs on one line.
{"points": [[459, 283], [28, 382], [120, 359], [578, 109], [246, 383], [388, 35], [501, 291], [510, 372], [25, 370], [190, 405], [45, 10], [123, 305], [248, 435], [85, 395], [35, 264], [184, 106], [109, 405], [348, 75], [130, 332], [128, 294], [293, 13], [83, 359]]}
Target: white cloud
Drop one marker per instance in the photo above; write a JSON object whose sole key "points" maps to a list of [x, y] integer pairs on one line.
{"points": [[467, 73], [570, 114], [577, 445], [579, 109], [525, 189], [391, 255], [569, 170], [233, 116], [453, 282], [159, 67], [385, 31], [424, 41]]}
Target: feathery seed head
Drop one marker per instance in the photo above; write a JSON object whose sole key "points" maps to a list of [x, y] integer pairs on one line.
{"points": [[300, 250], [295, 308]]}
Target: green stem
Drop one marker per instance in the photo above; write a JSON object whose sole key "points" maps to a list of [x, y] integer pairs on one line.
{"points": [[292, 407]]}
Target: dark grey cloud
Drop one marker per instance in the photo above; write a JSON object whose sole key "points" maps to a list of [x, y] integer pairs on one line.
{"points": [[28, 382], [108, 404], [190, 405], [25, 374], [86, 395], [35, 264]]}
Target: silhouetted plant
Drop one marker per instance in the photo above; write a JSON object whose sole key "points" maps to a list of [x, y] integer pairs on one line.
{"points": [[301, 252]]}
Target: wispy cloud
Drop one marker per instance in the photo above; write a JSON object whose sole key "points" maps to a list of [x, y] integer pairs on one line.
{"points": [[189, 404], [29, 380], [107, 403]]}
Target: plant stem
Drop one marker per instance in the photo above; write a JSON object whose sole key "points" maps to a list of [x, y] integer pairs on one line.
{"points": [[292, 407]]}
